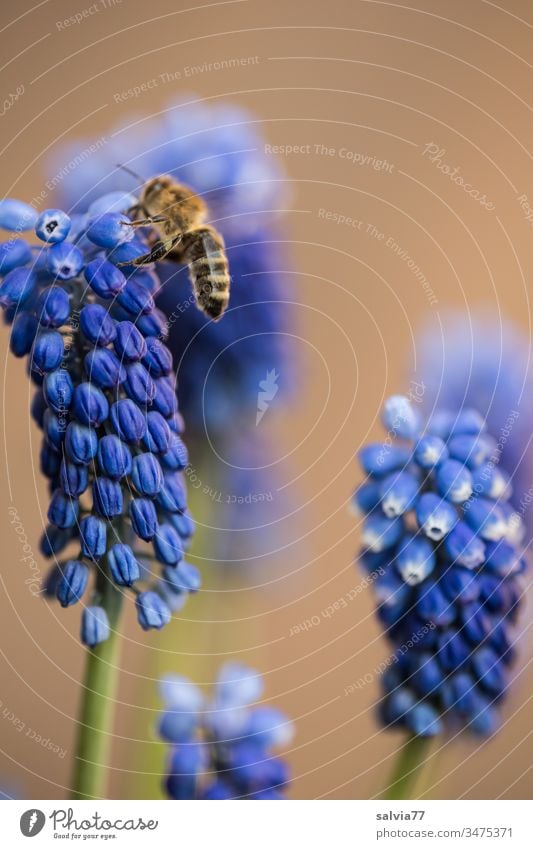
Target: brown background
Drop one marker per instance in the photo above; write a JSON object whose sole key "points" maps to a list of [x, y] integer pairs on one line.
{"points": [[378, 78]]}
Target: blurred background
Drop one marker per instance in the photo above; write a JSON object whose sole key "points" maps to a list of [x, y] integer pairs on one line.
{"points": [[362, 116]]}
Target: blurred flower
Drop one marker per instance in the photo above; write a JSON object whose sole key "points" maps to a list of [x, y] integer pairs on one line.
{"points": [[443, 547], [218, 150], [221, 747], [484, 361], [105, 401]]}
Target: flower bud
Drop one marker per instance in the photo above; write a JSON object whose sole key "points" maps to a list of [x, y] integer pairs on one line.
{"points": [[123, 565], [104, 278], [103, 368], [107, 497], [90, 405], [176, 457], [63, 510], [74, 479], [13, 254], [58, 390], [16, 215], [53, 307], [93, 536], [138, 384], [128, 421], [97, 325], [164, 400], [94, 626], [64, 261], [114, 457], [158, 359], [81, 443], [130, 344], [73, 582], [168, 546], [135, 299], [53, 225], [17, 287], [47, 352], [110, 229], [158, 435], [143, 517], [152, 611], [173, 496], [146, 474], [23, 334]]}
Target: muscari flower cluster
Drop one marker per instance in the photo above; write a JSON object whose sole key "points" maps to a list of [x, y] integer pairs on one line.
{"points": [[222, 746], [217, 150], [105, 401], [443, 546]]}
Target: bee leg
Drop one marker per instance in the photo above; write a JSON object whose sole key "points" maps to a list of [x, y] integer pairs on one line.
{"points": [[145, 222], [160, 250]]}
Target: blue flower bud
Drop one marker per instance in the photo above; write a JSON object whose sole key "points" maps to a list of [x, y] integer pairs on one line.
{"points": [[365, 499], [486, 519], [176, 456], [175, 599], [130, 344], [187, 761], [488, 670], [468, 421], [81, 443], [430, 451], [427, 677], [16, 215], [433, 606], [173, 496], [48, 350], [164, 400], [459, 584], [157, 359], [49, 461], [114, 457], [491, 482], [143, 517], [112, 202], [471, 449], [23, 334], [146, 474], [152, 611], [153, 324], [74, 479], [423, 720], [58, 390], [94, 626], [380, 533], [380, 459], [64, 261], [38, 408], [184, 577], [73, 582], [183, 524], [52, 225], [415, 559], [104, 278], [17, 287], [97, 325], [177, 726], [135, 299], [463, 546], [435, 516], [123, 565], [103, 368], [110, 229], [138, 384], [126, 253], [158, 434], [176, 423], [93, 536], [107, 497], [399, 492], [13, 254], [502, 559], [400, 417], [269, 727], [63, 510], [53, 307], [54, 540], [54, 429], [453, 650], [454, 481], [128, 421], [391, 592], [168, 546], [90, 405]]}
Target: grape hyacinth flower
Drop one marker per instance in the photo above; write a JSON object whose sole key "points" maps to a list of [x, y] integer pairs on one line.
{"points": [[105, 400], [222, 746], [444, 545], [218, 150]]}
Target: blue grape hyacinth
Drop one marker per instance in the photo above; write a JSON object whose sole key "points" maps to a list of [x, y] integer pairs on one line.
{"points": [[222, 745], [105, 400], [444, 548], [219, 151]]}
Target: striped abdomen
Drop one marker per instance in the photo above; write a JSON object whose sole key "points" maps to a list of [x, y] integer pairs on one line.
{"points": [[203, 250]]}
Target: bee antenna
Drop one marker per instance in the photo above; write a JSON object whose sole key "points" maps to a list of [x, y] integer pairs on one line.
{"points": [[132, 173]]}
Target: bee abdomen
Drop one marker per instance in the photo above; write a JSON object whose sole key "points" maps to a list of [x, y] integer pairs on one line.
{"points": [[208, 268]]}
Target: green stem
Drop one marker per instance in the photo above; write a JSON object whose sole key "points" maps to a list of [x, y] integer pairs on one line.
{"points": [[97, 707], [407, 769]]}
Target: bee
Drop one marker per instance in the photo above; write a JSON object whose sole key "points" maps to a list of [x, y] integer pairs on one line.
{"points": [[177, 215]]}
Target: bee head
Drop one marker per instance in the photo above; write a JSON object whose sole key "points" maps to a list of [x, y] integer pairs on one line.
{"points": [[154, 186]]}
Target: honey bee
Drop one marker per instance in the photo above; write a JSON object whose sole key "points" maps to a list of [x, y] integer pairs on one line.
{"points": [[177, 214]]}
